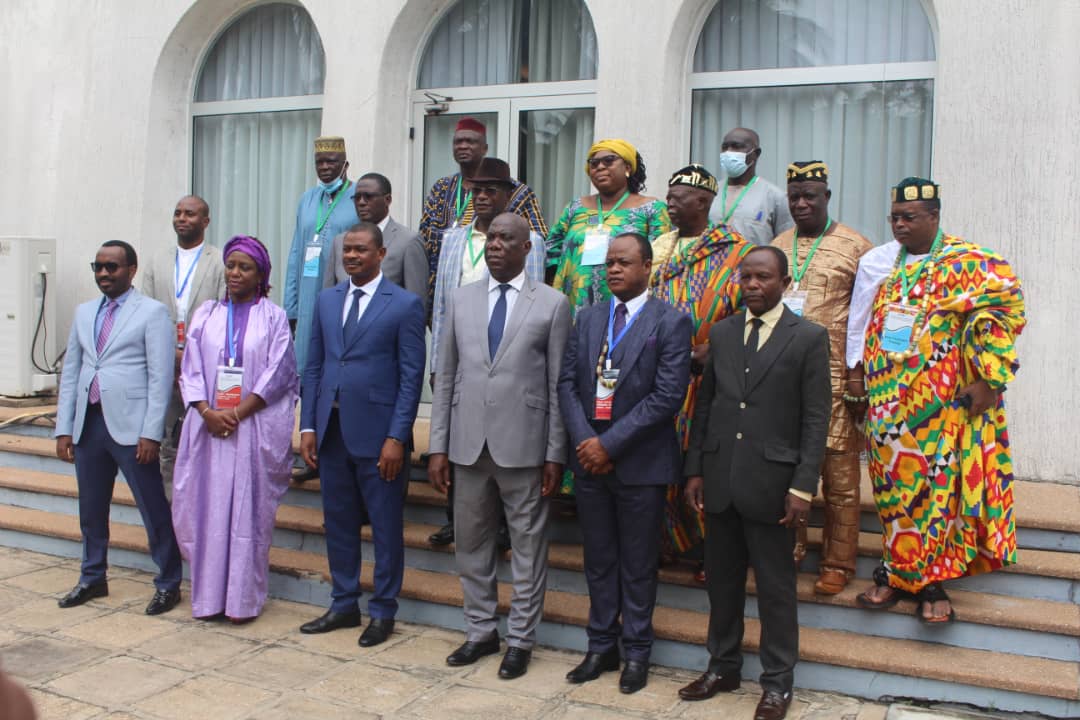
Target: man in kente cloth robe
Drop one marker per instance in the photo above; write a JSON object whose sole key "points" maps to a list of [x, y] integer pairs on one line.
{"points": [[697, 272], [939, 352]]}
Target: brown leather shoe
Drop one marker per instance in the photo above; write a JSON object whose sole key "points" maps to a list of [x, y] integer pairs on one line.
{"points": [[772, 706], [708, 685], [830, 582]]}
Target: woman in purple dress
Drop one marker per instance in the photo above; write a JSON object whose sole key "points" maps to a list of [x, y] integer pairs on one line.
{"points": [[239, 383]]}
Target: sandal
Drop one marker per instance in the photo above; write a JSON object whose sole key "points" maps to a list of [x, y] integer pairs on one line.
{"points": [[933, 593], [881, 579]]}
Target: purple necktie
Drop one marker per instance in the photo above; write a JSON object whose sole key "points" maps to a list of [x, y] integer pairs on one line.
{"points": [[620, 320], [102, 338]]}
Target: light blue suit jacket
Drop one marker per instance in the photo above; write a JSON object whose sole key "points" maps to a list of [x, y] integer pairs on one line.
{"points": [[134, 369]]}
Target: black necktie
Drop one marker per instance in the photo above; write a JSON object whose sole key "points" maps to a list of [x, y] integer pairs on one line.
{"points": [[352, 322], [497, 321], [752, 340]]}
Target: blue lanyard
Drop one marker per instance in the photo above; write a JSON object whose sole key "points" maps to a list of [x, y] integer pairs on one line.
{"points": [[232, 338], [176, 272], [613, 341]]}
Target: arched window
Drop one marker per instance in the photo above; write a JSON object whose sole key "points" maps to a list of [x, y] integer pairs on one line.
{"points": [[527, 69], [849, 82], [258, 106]]}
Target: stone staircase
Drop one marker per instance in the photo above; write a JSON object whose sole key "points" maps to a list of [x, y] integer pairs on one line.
{"points": [[1015, 644]]}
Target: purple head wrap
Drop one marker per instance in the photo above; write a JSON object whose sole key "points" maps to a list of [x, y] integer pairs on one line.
{"points": [[256, 251]]}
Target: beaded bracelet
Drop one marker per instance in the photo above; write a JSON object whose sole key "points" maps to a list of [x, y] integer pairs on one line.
{"points": [[854, 398]]}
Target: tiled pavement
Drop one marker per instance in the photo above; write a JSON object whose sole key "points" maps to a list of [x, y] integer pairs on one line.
{"points": [[107, 659]]}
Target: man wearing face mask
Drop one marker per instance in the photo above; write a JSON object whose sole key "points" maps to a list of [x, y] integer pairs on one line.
{"points": [[748, 204], [324, 212]]}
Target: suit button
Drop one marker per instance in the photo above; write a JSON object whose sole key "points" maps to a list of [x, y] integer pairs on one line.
{"points": [[746, 370], [342, 363], [742, 406], [738, 436]]}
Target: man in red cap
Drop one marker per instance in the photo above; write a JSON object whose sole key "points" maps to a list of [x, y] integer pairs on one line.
{"points": [[449, 203]]}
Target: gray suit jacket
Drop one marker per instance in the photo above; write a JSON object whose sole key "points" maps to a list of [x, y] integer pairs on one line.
{"points": [[405, 264], [757, 434], [207, 282], [510, 404]]}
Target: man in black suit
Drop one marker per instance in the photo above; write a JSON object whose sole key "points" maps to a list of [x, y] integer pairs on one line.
{"points": [[756, 446], [623, 379]]}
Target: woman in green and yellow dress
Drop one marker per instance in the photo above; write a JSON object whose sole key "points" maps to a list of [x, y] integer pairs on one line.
{"points": [[577, 243]]}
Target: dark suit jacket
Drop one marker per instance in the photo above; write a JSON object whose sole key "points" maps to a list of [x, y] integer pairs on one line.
{"points": [[654, 373], [755, 435], [376, 380], [405, 264]]}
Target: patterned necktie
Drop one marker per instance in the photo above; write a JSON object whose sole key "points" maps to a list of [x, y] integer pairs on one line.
{"points": [[352, 322], [497, 322], [620, 321], [102, 339], [752, 341]]}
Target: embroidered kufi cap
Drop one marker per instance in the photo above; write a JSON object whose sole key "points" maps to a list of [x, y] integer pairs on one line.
{"points": [[801, 170], [916, 188], [330, 143], [695, 176]]}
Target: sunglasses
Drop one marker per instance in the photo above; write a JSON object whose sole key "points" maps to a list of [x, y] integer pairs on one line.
{"points": [[368, 197], [906, 217], [109, 267], [605, 161], [486, 189]]}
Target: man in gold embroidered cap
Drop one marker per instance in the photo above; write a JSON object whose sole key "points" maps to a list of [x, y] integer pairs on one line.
{"points": [[938, 318], [824, 256], [697, 273]]}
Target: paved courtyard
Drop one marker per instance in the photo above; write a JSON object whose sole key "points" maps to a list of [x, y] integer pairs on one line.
{"points": [[107, 659]]}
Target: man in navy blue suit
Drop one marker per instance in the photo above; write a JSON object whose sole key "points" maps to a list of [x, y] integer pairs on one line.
{"points": [[624, 376], [360, 392]]}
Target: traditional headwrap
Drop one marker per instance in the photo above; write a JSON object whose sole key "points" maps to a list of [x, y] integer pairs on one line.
{"points": [[916, 188], [620, 147], [695, 176], [330, 143], [251, 247], [801, 170], [471, 124]]}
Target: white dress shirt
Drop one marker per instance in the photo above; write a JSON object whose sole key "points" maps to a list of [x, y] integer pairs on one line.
{"points": [[633, 305], [185, 264], [874, 268], [369, 289], [511, 295]]}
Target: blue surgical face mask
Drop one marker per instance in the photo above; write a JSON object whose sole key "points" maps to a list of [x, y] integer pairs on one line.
{"points": [[332, 187], [733, 163]]}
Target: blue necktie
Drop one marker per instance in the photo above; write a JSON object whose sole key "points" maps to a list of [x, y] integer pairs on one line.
{"points": [[497, 321], [352, 322]]}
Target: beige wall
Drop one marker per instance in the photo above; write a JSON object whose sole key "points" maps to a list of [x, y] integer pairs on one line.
{"points": [[95, 135]]}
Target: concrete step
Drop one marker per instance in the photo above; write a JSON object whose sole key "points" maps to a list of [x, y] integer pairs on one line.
{"points": [[1023, 626], [832, 659]]}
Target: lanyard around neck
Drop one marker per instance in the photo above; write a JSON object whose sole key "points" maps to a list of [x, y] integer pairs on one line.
{"points": [[600, 207], [800, 270], [474, 257], [321, 219], [907, 282], [231, 339], [613, 341], [459, 206], [191, 268], [723, 198]]}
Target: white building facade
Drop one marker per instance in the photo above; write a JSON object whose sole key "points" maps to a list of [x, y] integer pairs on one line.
{"points": [[113, 110]]}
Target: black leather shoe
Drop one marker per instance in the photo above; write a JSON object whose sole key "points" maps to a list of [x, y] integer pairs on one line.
{"points": [[708, 685], [300, 476], [772, 706], [163, 601], [442, 536], [502, 539], [594, 664], [82, 593], [331, 621], [470, 652], [634, 676], [515, 662], [376, 632]]}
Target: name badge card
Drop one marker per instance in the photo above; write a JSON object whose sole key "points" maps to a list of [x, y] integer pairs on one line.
{"points": [[181, 334], [899, 325], [605, 394], [312, 253], [595, 248], [229, 380], [795, 301]]}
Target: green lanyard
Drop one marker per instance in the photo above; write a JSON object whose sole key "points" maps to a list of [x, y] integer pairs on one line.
{"points": [[600, 208], [798, 271], [459, 207], [321, 221], [906, 282], [474, 257], [723, 198]]}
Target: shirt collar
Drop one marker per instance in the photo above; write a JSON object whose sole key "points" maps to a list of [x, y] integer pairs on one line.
{"points": [[383, 223], [633, 304], [369, 288], [119, 300], [517, 283], [769, 317]]}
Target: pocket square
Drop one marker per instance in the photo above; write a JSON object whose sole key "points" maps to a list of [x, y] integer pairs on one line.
{"points": [[650, 341]]}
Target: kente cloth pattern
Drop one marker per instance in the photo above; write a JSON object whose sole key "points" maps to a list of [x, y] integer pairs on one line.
{"points": [[703, 282], [440, 214], [828, 283], [942, 480], [587, 285]]}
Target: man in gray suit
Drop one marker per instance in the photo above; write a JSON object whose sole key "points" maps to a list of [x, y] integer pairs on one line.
{"points": [[757, 441], [406, 263], [183, 277], [495, 415]]}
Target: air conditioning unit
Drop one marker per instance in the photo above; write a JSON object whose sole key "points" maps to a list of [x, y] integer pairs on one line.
{"points": [[28, 333]]}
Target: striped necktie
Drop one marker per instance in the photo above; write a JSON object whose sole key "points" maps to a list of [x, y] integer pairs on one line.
{"points": [[102, 338]]}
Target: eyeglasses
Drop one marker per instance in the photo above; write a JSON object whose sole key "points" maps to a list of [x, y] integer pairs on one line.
{"points": [[906, 217], [368, 197], [604, 161], [486, 189], [109, 267]]}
